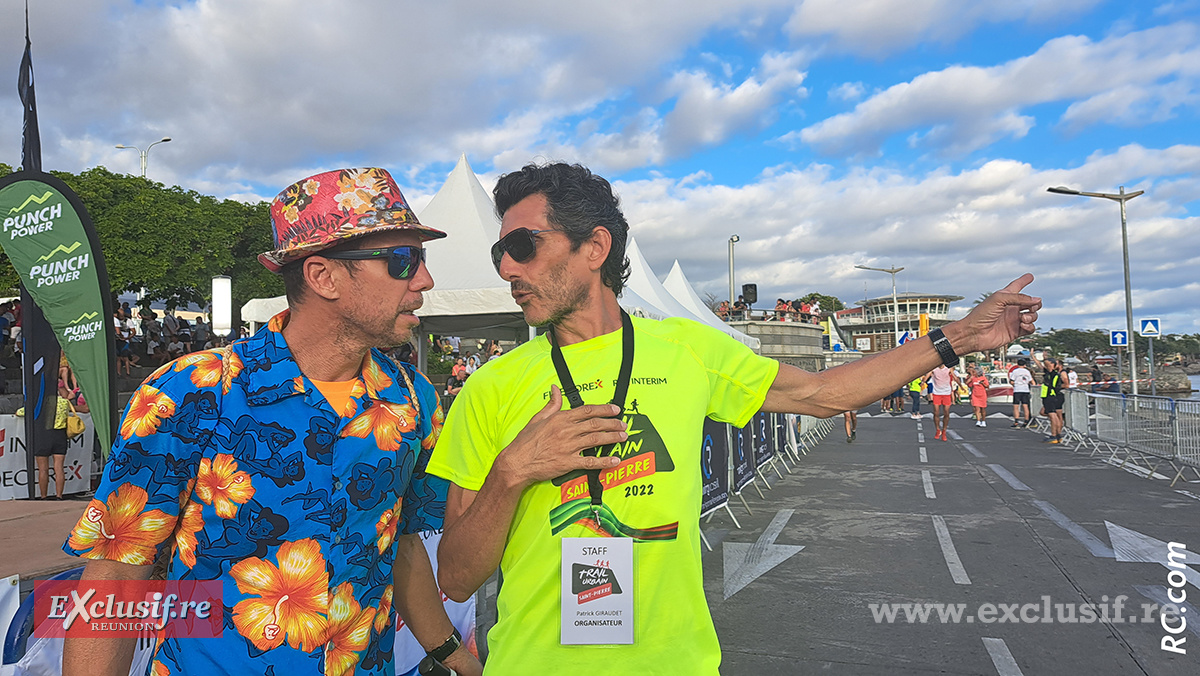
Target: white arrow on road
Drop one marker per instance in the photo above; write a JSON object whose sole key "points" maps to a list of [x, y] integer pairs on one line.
{"points": [[745, 563], [1132, 546]]}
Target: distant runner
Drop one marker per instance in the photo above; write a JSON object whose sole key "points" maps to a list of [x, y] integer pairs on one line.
{"points": [[944, 381], [978, 384]]}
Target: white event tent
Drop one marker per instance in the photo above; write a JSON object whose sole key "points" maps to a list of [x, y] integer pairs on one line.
{"points": [[643, 281], [680, 288], [469, 299]]}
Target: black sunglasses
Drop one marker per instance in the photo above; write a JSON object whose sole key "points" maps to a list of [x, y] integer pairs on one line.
{"points": [[403, 261], [520, 244]]}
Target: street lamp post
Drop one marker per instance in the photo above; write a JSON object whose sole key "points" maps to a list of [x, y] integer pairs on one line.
{"points": [[165, 139], [732, 240], [1121, 197], [895, 303]]}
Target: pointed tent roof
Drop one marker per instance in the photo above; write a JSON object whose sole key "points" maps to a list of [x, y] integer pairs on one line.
{"points": [[468, 298], [678, 286], [643, 281]]}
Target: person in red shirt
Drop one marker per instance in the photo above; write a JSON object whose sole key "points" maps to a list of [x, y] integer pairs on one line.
{"points": [[978, 384]]}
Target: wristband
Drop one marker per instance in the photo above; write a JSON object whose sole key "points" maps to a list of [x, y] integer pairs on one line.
{"points": [[443, 651], [944, 350]]}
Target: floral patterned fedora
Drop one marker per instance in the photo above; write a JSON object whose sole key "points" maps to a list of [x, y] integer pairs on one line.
{"points": [[327, 209]]}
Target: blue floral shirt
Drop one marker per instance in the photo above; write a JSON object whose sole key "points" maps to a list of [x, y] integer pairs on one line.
{"points": [[234, 465]]}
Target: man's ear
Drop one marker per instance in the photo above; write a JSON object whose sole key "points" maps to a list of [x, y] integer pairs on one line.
{"points": [[598, 246], [324, 277]]}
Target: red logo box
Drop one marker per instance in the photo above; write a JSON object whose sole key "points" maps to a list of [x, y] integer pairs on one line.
{"points": [[127, 608]]}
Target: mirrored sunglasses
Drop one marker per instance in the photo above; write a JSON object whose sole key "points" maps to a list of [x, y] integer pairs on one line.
{"points": [[403, 261]]}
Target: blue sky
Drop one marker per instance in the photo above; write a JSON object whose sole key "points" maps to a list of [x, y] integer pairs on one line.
{"points": [[825, 133]]}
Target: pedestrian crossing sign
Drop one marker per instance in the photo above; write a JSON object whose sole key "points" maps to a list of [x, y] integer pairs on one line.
{"points": [[1151, 328], [1118, 338]]}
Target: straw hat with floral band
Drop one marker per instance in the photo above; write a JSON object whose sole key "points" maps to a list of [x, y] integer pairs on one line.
{"points": [[324, 211]]}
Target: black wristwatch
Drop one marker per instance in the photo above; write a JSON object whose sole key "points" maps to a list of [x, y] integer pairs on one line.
{"points": [[944, 350], [443, 651]]}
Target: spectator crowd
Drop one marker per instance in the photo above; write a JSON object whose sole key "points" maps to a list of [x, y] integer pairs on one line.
{"points": [[796, 310]]}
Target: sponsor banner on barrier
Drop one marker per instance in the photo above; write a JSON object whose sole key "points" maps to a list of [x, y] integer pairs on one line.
{"points": [[52, 244], [714, 465], [14, 479], [764, 439], [743, 456], [779, 422], [462, 615]]}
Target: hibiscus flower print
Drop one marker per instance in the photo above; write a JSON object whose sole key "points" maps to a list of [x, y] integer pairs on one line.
{"points": [[220, 484], [349, 631], [385, 610], [435, 429], [291, 599], [387, 421], [374, 378], [279, 321], [221, 365], [356, 391], [147, 409], [191, 520], [385, 528], [120, 529]]}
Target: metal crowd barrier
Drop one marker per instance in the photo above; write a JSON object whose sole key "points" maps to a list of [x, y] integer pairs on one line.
{"points": [[1145, 430]]}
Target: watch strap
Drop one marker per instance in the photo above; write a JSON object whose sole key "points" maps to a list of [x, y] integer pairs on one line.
{"points": [[446, 649], [944, 350]]}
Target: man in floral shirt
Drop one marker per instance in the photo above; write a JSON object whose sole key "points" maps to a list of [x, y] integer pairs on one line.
{"points": [[289, 466]]}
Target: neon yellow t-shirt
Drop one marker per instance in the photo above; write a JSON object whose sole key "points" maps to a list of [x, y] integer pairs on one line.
{"points": [[682, 371]]}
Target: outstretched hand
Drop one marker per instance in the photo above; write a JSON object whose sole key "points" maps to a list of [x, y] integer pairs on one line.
{"points": [[550, 444], [1003, 317]]}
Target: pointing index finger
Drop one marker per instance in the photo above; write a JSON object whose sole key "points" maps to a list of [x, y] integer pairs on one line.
{"points": [[1019, 283]]}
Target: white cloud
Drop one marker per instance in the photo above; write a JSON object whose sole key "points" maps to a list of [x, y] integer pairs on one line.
{"points": [[878, 27], [264, 87], [962, 108], [848, 91], [707, 113], [804, 228]]}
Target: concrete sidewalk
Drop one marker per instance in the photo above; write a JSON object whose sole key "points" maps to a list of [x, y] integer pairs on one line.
{"points": [[32, 533]]}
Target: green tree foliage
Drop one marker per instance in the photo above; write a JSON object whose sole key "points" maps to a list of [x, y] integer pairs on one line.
{"points": [[828, 303], [1087, 345], [170, 241]]}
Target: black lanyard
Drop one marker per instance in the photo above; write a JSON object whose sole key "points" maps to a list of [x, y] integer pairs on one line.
{"points": [[571, 392]]}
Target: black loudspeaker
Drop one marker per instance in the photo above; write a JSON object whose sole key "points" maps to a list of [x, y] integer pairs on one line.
{"points": [[750, 293]]}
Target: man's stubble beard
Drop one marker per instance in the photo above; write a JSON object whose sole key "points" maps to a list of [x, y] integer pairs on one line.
{"points": [[364, 325], [558, 292]]}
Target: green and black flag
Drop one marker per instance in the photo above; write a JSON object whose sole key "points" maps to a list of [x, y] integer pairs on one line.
{"points": [[64, 292]]}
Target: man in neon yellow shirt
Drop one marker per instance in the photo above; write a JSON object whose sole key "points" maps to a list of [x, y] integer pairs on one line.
{"points": [[527, 473]]}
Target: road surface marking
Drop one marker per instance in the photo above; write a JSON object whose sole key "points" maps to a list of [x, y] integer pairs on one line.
{"points": [[1001, 657], [1009, 479], [928, 481], [1093, 543], [957, 572]]}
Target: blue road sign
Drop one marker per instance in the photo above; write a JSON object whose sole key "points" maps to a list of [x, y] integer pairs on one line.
{"points": [[1151, 328], [1118, 338]]}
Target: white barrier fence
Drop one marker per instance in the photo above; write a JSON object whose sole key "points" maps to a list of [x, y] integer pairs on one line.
{"points": [[1153, 431], [14, 474]]}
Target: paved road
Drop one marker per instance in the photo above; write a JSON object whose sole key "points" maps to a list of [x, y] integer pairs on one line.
{"points": [[994, 516]]}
